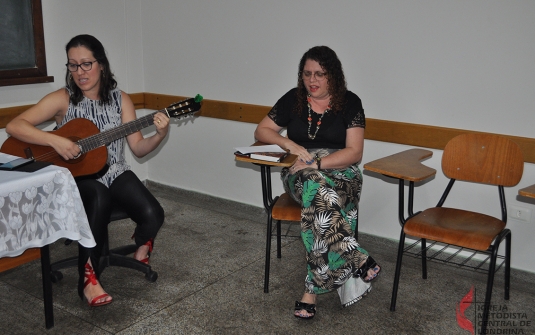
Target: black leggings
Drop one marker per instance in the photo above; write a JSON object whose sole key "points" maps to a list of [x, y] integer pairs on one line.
{"points": [[128, 193]]}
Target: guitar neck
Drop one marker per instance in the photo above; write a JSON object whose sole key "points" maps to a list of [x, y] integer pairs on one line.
{"points": [[105, 137]]}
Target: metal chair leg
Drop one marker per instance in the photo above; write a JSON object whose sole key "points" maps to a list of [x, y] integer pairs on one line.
{"points": [[506, 234], [507, 265], [279, 233], [424, 258], [398, 271], [488, 293], [268, 252]]}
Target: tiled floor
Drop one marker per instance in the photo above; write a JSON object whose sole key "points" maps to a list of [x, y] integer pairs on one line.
{"points": [[210, 259]]}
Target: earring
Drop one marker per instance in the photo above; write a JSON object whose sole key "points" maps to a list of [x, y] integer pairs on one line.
{"points": [[70, 82]]}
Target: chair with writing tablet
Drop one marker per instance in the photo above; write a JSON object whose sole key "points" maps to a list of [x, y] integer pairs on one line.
{"points": [[485, 159], [280, 208]]}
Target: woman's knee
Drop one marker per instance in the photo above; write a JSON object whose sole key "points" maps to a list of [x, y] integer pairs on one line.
{"points": [[158, 214], [153, 215]]}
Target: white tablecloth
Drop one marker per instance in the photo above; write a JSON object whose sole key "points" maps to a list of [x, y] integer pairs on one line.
{"points": [[38, 208]]}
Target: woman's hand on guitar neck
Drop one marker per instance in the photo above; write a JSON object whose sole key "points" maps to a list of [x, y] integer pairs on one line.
{"points": [[161, 121]]}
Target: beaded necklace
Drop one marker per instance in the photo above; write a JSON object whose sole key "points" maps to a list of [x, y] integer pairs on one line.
{"points": [[310, 119]]}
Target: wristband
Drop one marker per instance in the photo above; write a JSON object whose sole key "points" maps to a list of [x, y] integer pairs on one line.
{"points": [[318, 161]]}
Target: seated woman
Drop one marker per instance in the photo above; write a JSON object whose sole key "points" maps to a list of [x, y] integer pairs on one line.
{"points": [[325, 127], [91, 92]]}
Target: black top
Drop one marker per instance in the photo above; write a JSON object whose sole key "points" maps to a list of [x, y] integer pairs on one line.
{"points": [[332, 131]]}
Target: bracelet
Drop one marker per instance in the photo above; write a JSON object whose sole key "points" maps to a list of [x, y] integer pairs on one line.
{"points": [[318, 161]]}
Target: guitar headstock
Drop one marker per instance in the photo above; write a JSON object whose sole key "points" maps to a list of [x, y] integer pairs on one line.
{"points": [[185, 107]]}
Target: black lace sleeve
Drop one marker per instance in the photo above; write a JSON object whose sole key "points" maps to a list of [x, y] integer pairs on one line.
{"points": [[273, 114], [280, 113], [354, 113], [358, 121]]}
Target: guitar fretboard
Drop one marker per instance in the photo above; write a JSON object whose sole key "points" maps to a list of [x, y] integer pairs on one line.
{"points": [[107, 136]]}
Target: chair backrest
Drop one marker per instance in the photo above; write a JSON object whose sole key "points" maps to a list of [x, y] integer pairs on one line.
{"points": [[483, 158]]}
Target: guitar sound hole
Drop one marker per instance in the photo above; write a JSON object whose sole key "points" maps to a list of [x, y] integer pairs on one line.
{"points": [[76, 159]]}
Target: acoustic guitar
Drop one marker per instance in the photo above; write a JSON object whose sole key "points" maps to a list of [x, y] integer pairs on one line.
{"points": [[93, 155]]}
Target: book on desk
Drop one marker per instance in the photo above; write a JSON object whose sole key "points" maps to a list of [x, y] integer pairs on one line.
{"points": [[270, 153]]}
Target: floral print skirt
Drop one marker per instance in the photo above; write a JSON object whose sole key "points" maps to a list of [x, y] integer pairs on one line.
{"points": [[329, 200]]}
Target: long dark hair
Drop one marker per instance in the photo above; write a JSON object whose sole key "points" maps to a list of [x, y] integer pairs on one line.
{"points": [[329, 62], [107, 81]]}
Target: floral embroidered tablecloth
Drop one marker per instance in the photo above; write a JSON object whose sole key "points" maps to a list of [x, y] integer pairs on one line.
{"points": [[38, 208]]}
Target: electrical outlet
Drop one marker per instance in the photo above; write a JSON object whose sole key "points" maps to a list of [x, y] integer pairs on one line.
{"points": [[519, 213]]}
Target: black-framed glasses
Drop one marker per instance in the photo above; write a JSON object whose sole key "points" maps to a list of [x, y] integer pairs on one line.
{"points": [[318, 75], [86, 66]]}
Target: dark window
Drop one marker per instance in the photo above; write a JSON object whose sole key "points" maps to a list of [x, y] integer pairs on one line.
{"points": [[22, 44]]}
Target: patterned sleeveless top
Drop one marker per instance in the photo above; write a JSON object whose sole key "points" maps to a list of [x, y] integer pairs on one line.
{"points": [[104, 117]]}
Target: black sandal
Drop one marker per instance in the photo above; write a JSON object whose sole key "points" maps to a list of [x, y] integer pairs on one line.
{"points": [[309, 308], [363, 270]]}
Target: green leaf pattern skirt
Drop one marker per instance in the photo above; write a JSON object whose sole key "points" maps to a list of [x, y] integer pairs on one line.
{"points": [[329, 214]]}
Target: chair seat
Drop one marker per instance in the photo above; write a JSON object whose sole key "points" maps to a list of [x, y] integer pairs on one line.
{"points": [[455, 226], [286, 209]]}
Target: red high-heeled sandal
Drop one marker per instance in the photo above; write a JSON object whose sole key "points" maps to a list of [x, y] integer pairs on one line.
{"points": [[149, 244], [91, 278]]}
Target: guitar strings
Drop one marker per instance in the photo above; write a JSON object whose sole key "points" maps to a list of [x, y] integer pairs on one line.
{"points": [[105, 137], [94, 141]]}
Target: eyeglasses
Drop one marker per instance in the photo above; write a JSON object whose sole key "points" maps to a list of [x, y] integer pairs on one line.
{"points": [[86, 66], [319, 76]]}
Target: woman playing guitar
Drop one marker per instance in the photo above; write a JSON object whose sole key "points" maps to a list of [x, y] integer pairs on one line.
{"points": [[91, 93]]}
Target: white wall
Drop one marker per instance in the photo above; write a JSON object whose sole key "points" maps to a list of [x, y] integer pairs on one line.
{"points": [[460, 64]]}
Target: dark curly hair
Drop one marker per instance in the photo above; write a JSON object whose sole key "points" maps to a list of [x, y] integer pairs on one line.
{"points": [[107, 81], [329, 62]]}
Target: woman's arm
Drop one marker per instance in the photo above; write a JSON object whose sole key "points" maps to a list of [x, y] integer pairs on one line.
{"points": [[340, 159], [268, 131], [142, 146], [351, 154], [53, 105]]}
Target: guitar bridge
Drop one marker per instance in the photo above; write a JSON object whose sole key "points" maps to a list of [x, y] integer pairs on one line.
{"points": [[28, 152]]}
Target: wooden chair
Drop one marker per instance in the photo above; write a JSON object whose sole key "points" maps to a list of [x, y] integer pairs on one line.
{"points": [[284, 209], [278, 209], [477, 158]]}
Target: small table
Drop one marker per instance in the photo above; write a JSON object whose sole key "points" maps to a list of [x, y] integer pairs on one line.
{"points": [[36, 209], [528, 191], [269, 202], [265, 173], [403, 166]]}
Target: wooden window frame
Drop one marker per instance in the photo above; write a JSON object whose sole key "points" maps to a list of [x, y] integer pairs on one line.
{"points": [[37, 74]]}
